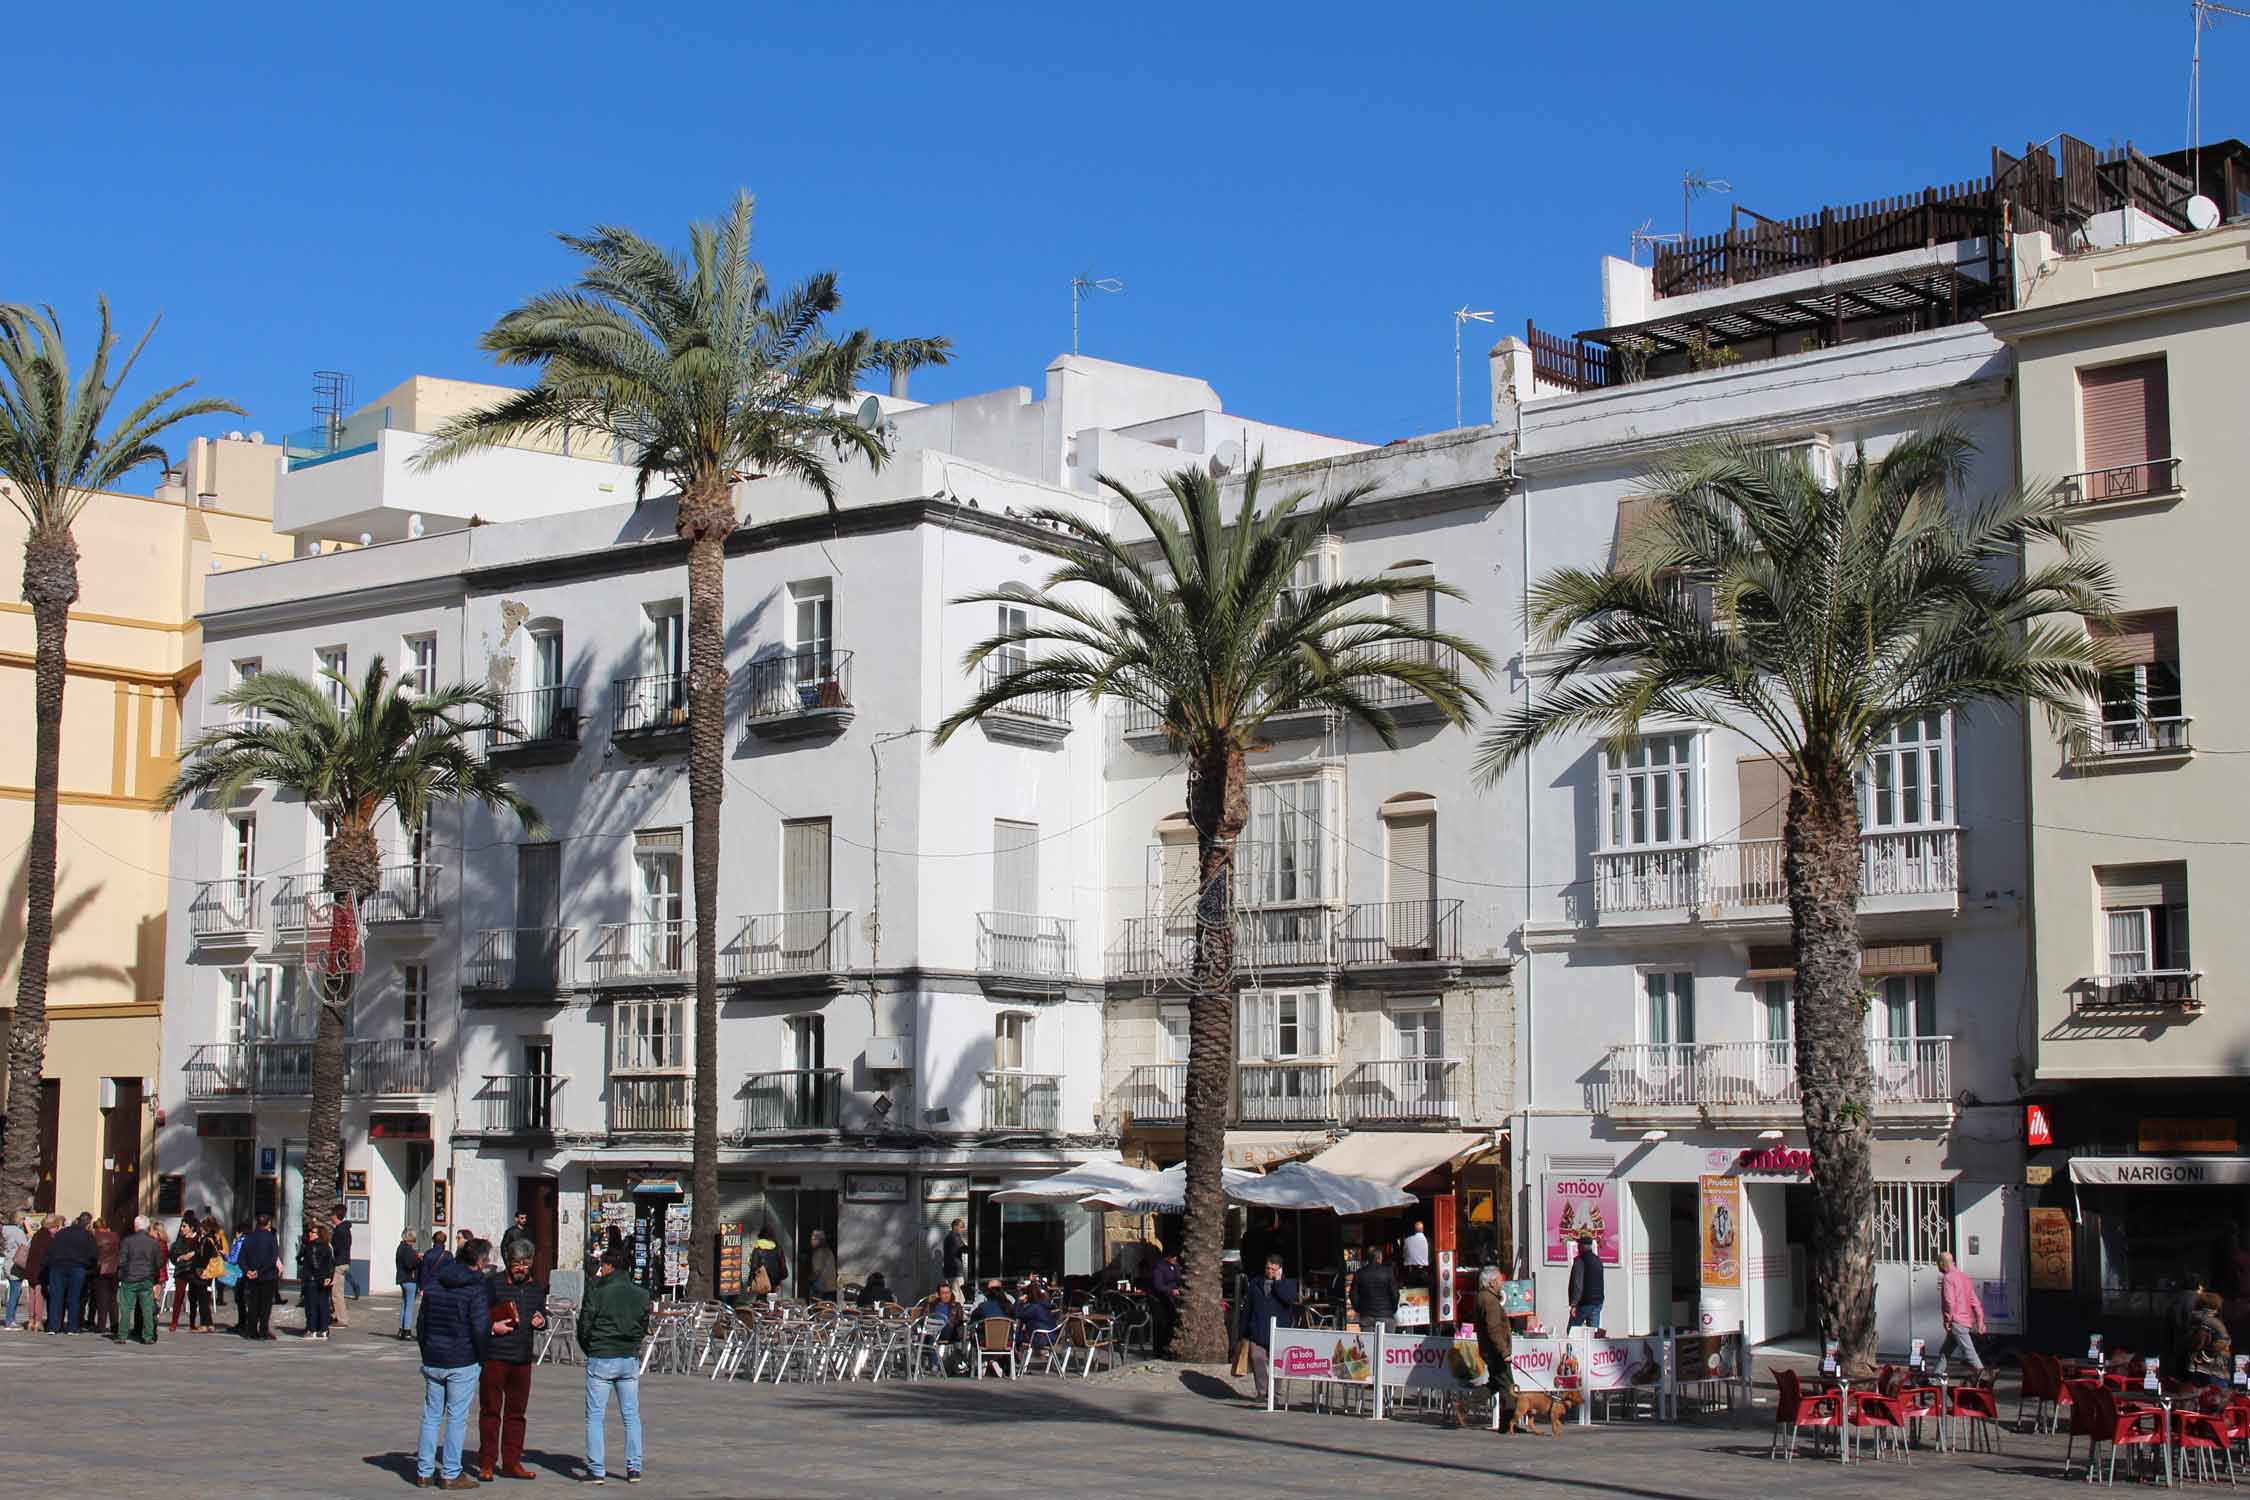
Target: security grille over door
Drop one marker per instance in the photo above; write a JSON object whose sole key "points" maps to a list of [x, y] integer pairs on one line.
{"points": [[1913, 1221]]}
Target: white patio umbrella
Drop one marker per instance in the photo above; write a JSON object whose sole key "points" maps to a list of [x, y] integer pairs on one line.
{"points": [[1165, 1193], [1295, 1185], [1075, 1183]]}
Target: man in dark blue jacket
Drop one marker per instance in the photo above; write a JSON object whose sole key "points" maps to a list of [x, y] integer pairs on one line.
{"points": [[434, 1260], [260, 1264], [455, 1342], [1268, 1301]]}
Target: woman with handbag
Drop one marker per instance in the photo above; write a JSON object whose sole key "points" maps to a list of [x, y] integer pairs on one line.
{"points": [[316, 1280], [191, 1257]]}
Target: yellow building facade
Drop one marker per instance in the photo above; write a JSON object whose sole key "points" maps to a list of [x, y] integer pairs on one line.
{"points": [[134, 647]]}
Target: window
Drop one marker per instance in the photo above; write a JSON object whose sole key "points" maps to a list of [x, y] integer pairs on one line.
{"points": [[239, 1000], [319, 837], [1667, 1007], [1293, 832], [539, 1083], [808, 1041], [1653, 790], [1410, 854], [665, 645], [1906, 1006], [418, 658], [1278, 1025], [1011, 1042], [1418, 606], [2141, 693], [1012, 659], [651, 1036], [414, 990], [1905, 783], [1015, 866], [1777, 1007], [546, 658], [1314, 569], [656, 875], [1417, 1029], [245, 671], [242, 829], [2144, 919], [1174, 1020], [812, 630], [335, 668], [2126, 421]]}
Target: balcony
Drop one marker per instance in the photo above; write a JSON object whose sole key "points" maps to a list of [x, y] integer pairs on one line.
{"points": [[655, 953], [1404, 1090], [1145, 726], [800, 696], [385, 1067], [783, 945], [1039, 720], [2146, 992], [528, 960], [650, 716], [795, 1100], [1405, 703], [1914, 869], [519, 1103], [1400, 932], [2128, 742], [1020, 949], [1284, 1092], [536, 727], [1027, 1102], [1756, 1082], [658, 1104], [2152, 479], [228, 913], [403, 894], [1155, 1094]]}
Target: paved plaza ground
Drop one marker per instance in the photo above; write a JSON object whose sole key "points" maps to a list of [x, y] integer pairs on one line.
{"points": [[212, 1415]]}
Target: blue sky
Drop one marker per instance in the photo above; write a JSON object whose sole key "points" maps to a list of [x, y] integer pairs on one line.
{"points": [[1295, 196]]}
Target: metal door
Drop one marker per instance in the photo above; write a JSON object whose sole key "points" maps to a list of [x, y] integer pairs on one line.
{"points": [[1913, 1223]]}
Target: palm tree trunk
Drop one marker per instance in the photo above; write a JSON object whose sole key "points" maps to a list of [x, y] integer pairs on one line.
{"points": [[352, 873], [1218, 806], [706, 517], [50, 587], [1821, 868]]}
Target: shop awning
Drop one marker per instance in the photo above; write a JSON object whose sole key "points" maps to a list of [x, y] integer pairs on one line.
{"points": [[1300, 1185], [1397, 1157], [2160, 1171]]}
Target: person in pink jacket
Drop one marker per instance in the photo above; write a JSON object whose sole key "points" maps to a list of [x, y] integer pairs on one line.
{"points": [[1963, 1313]]}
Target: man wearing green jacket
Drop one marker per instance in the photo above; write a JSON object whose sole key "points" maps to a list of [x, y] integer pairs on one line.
{"points": [[612, 1324]]}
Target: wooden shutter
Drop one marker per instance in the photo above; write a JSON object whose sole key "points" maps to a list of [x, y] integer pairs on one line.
{"points": [[2124, 886], [1635, 515], [805, 865], [2142, 640], [2126, 412], [1418, 608], [538, 885], [1015, 866], [1764, 787], [1411, 849]]}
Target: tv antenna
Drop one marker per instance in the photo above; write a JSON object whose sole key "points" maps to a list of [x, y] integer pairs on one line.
{"points": [[1693, 185], [2207, 13], [1080, 285], [1462, 315], [1643, 238]]}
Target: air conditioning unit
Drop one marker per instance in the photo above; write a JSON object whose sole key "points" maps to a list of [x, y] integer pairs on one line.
{"points": [[886, 1053], [109, 1093]]}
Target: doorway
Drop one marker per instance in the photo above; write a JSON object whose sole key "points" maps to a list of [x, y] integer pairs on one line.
{"points": [[408, 1162], [1913, 1223], [121, 1152], [538, 1197], [50, 1141], [795, 1212]]}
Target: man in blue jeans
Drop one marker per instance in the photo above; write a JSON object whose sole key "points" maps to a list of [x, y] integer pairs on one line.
{"points": [[70, 1260], [612, 1323], [1586, 1294], [456, 1339], [407, 1261]]}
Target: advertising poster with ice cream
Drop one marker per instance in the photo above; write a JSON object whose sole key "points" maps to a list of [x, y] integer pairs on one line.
{"points": [[1580, 1205], [1584, 1364], [1341, 1357], [1722, 1218]]}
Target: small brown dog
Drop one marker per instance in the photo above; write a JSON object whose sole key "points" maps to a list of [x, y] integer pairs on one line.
{"points": [[1540, 1406]]}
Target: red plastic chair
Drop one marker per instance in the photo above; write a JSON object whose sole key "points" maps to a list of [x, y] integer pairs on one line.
{"points": [[1878, 1413], [1977, 1413], [2044, 1391], [2085, 1398], [2197, 1437], [2141, 1428], [1796, 1410]]}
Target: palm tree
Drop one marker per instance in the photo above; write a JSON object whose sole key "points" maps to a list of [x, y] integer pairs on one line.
{"points": [[55, 455], [1213, 634], [383, 749], [1816, 621], [710, 379]]}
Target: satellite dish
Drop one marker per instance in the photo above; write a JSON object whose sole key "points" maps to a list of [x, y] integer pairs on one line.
{"points": [[2202, 213], [870, 414], [1226, 460]]}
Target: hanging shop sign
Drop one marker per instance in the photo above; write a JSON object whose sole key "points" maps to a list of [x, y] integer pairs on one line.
{"points": [[2038, 1126], [1775, 1161], [1721, 1220], [1580, 1205], [398, 1127], [869, 1187]]}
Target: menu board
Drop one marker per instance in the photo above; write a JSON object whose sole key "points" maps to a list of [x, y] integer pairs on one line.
{"points": [[730, 1260]]}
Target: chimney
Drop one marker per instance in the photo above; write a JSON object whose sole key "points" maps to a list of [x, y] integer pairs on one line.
{"points": [[898, 385]]}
